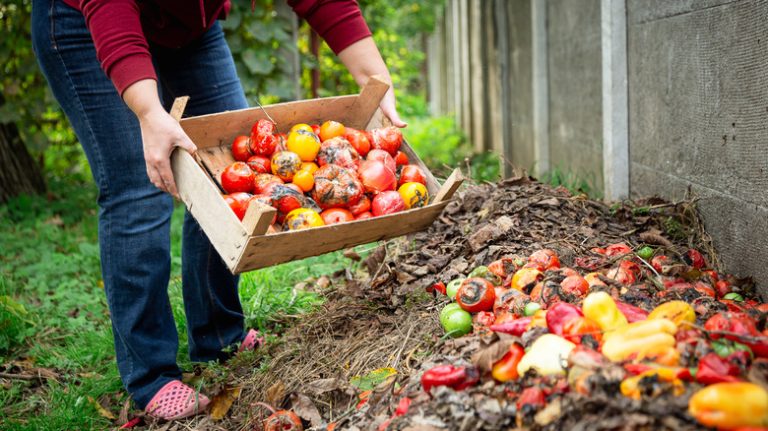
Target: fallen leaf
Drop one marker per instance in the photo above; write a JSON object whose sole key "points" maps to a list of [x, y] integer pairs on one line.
{"points": [[276, 393], [654, 236], [350, 253], [223, 401], [373, 379], [303, 406], [99, 408], [490, 354], [321, 386]]}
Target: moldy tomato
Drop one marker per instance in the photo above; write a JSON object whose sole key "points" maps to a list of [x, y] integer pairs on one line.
{"points": [[302, 218], [336, 187], [263, 127], [237, 177], [476, 294], [259, 164], [241, 148], [415, 195], [285, 164], [283, 420], [387, 202], [363, 205], [338, 151], [263, 183]]}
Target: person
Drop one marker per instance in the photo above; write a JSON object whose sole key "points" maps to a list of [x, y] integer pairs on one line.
{"points": [[115, 66]]}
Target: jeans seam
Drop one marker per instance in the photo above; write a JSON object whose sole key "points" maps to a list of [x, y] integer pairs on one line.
{"points": [[52, 37]]}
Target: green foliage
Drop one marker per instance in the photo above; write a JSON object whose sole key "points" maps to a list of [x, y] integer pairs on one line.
{"points": [[443, 147], [575, 183]]}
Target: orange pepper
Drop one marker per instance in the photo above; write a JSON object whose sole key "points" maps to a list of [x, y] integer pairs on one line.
{"points": [[630, 387], [647, 338], [505, 369], [730, 405], [676, 311]]}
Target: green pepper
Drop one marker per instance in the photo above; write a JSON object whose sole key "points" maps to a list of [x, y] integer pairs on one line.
{"points": [[733, 296], [725, 348]]}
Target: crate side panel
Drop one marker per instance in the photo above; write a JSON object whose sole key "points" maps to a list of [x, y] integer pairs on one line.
{"points": [[267, 250]]}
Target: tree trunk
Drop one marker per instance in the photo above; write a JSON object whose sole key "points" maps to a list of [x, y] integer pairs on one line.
{"points": [[18, 171]]}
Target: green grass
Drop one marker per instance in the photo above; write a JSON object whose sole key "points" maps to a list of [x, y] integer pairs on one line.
{"points": [[53, 311]]}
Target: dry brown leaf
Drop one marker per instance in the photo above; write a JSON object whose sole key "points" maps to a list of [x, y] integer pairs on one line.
{"points": [[350, 253], [321, 386], [99, 408], [655, 237], [276, 393], [303, 406], [488, 355], [223, 401]]}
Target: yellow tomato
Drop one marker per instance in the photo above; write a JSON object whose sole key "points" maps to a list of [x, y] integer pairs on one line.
{"points": [[303, 143], [415, 195], [309, 166], [301, 126], [304, 179], [285, 164], [331, 129], [302, 218], [524, 277]]}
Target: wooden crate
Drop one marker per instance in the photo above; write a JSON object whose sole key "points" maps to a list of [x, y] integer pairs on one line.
{"points": [[244, 245]]}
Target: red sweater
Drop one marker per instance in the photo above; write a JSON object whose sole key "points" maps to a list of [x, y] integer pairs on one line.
{"points": [[120, 28]]}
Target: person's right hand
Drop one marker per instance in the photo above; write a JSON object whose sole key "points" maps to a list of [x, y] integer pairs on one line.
{"points": [[160, 134]]}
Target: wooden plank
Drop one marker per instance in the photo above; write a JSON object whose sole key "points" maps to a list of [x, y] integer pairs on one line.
{"points": [[540, 86], [367, 103], [477, 78], [465, 107], [258, 217], [214, 130], [449, 187], [205, 203], [267, 250]]}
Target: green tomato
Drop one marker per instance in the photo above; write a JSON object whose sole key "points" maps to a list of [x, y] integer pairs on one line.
{"points": [[733, 296], [531, 308], [453, 287], [645, 253], [483, 272], [457, 323], [448, 309]]}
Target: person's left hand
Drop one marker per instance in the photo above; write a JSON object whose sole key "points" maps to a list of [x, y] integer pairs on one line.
{"points": [[387, 106]]}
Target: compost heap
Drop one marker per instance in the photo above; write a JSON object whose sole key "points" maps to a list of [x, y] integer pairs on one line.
{"points": [[558, 348]]}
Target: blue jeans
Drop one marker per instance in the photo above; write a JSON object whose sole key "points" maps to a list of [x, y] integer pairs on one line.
{"points": [[134, 216]]}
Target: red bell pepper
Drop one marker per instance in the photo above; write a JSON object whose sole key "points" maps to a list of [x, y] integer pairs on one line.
{"points": [[559, 315], [457, 378], [632, 313], [515, 327], [714, 369], [695, 259], [533, 397]]}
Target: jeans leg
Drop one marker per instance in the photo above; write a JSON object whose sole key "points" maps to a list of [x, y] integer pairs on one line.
{"points": [[134, 216], [206, 72]]}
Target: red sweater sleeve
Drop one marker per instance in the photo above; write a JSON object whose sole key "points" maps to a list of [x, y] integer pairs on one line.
{"points": [[339, 22], [121, 47]]}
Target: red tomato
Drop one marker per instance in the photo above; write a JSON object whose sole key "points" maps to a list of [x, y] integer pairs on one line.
{"points": [[338, 151], [575, 285], [383, 157], [412, 174], [263, 145], [401, 158], [358, 140], [238, 202], [364, 216], [617, 250], [336, 187], [237, 177], [241, 148], [336, 215], [387, 139], [476, 294], [263, 127], [260, 164], [262, 183], [387, 202], [545, 259], [363, 205], [376, 177]]}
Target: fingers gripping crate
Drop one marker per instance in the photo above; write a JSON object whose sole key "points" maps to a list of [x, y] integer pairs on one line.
{"points": [[245, 245]]}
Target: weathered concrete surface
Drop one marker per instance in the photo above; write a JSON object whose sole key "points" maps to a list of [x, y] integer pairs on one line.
{"points": [[575, 89], [521, 81], [698, 107]]}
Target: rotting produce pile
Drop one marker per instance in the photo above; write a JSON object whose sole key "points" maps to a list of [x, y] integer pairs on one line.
{"points": [[572, 332]]}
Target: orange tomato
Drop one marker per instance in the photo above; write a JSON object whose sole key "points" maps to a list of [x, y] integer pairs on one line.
{"points": [[336, 215], [309, 166], [331, 129], [415, 195], [304, 180]]}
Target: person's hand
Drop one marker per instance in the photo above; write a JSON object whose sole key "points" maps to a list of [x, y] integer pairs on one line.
{"points": [[161, 134], [387, 106]]}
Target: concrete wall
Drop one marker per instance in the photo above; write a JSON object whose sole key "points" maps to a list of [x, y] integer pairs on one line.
{"points": [[575, 89], [698, 110]]}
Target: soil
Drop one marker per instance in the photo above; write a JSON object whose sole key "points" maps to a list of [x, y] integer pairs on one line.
{"points": [[382, 316]]}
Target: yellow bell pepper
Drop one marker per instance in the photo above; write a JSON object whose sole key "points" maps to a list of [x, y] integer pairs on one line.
{"points": [[676, 311], [546, 355], [630, 387], [539, 319], [646, 338], [730, 405], [601, 308]]}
